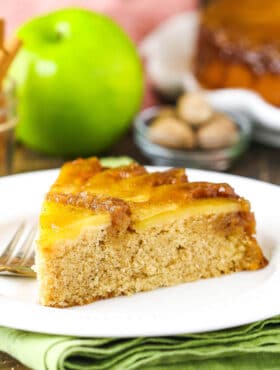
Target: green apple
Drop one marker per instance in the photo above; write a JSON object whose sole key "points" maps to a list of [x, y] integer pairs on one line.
{"points": [[79, 82]]}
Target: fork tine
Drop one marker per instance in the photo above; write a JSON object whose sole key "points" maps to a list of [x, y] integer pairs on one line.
{"points": [[25, 249], [30, 260], [29, 251], [8, 251], [30, 256]]}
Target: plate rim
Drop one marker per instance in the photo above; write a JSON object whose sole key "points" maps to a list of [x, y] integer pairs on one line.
{"points": [[34, 327]]}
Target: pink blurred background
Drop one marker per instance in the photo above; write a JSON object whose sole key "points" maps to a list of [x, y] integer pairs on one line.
{"points": [[137, 17]]}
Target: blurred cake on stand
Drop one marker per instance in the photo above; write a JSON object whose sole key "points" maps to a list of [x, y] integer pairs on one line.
{"points": [[239, 46]]}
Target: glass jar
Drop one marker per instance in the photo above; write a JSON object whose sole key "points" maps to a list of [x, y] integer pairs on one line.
{"points": [[239, 46], [7, 127]]}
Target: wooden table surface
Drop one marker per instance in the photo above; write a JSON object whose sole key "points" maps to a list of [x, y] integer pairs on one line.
{"points": [[259, 162]]}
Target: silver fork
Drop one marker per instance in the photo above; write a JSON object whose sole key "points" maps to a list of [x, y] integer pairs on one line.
{"points": [[17, 257]]}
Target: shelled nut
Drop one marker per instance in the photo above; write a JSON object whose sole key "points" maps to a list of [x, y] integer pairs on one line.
{"points": [[172, 133], [194, 109], [167, 111], [218, 133]]}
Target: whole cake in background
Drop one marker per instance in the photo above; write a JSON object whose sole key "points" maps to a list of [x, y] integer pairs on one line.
{"points": [[239, 46], [106, 232]]}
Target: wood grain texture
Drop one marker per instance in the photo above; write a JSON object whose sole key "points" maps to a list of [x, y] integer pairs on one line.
{"points": [[260, 162], [8, 363]]}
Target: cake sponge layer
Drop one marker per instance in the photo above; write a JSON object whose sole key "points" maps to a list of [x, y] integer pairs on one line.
{"points": [[99, 264]]}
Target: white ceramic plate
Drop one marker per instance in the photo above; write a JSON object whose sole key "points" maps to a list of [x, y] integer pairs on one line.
{"points": [[168, 52], [193, 307]]}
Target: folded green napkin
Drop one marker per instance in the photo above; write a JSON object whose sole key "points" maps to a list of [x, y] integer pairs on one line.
{"points": [[255, 346]]}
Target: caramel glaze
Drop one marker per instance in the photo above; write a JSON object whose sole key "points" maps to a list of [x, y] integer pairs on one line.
{"points": [[157, 188], [201, 190], [118, 208]]}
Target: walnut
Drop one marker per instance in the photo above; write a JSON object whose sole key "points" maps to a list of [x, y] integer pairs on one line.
{"points": [[220, 132], [194, 109], [167, 111], [172, 133]]}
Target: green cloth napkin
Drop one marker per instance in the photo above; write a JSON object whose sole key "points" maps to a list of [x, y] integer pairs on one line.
{"points": [[251, 347]]}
